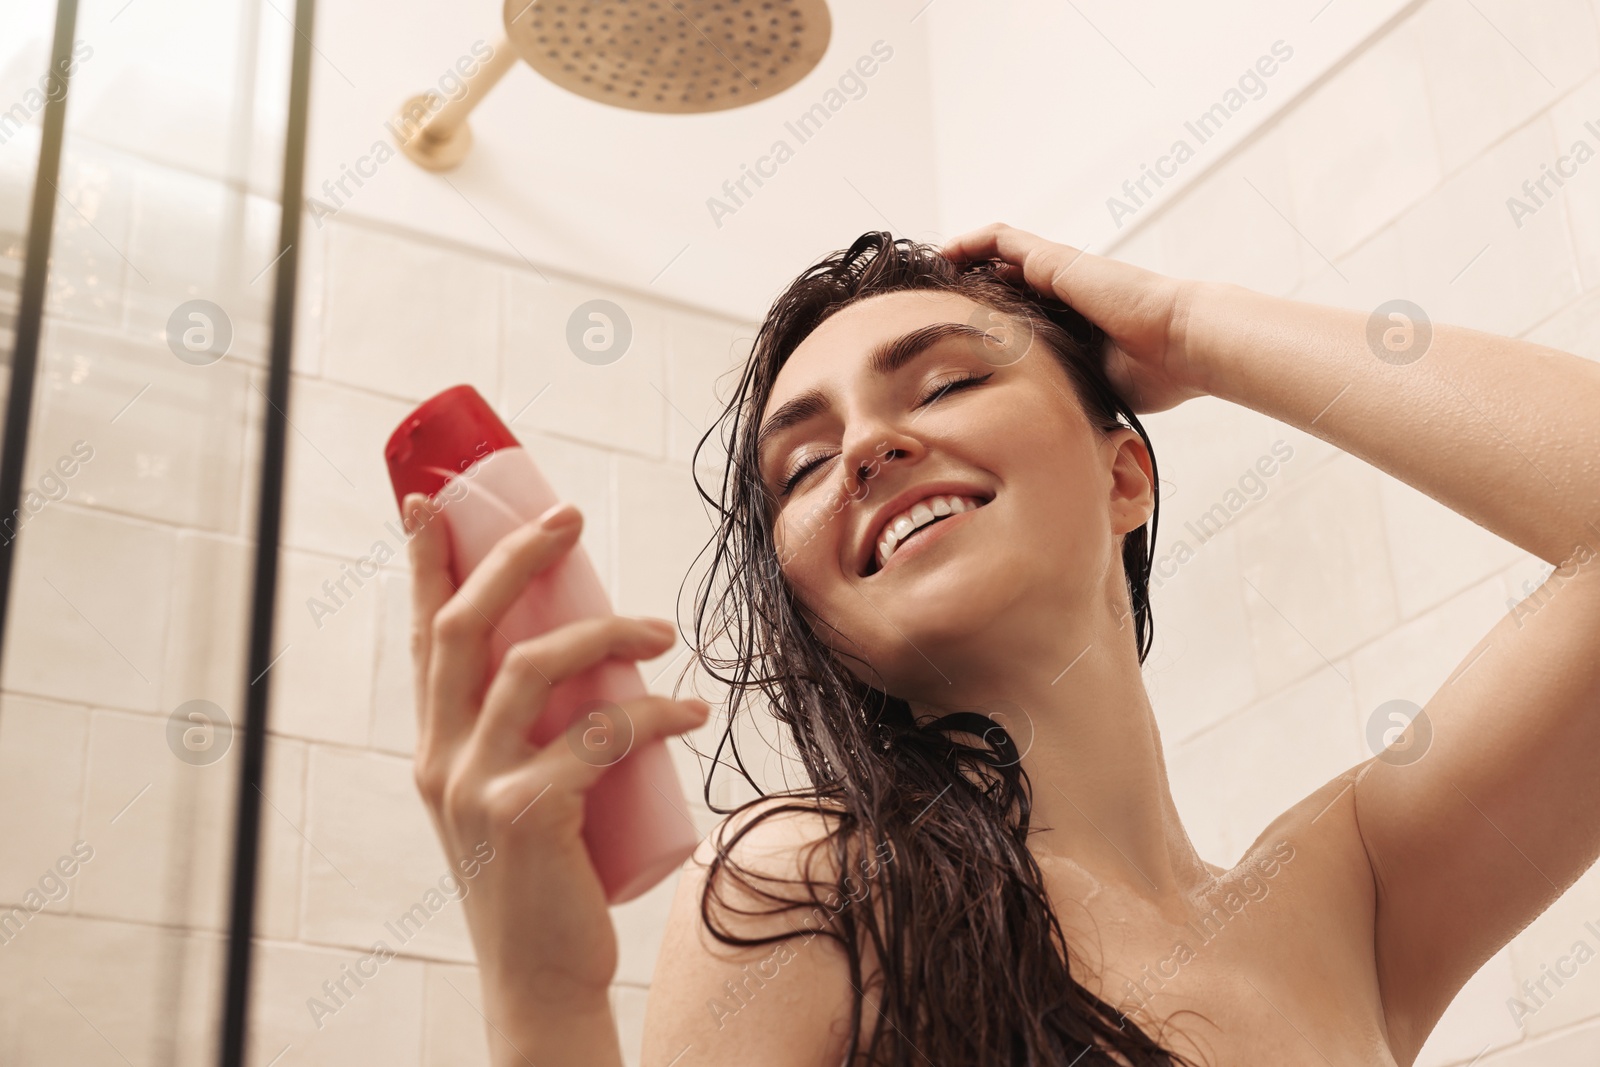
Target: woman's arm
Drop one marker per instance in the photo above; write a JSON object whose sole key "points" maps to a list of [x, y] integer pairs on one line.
{"points": [[1501, 811], [1504, 432], [1474, 832], [511, 812]]}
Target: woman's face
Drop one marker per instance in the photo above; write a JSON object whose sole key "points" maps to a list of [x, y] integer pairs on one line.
{"points": [[945, 512]]}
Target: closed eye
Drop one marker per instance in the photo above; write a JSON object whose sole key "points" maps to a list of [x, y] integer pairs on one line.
{"points": [[800, 473], [962, 381]]}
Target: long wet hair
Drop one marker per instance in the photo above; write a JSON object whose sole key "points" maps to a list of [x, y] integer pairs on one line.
{"points": [[928, 820]]}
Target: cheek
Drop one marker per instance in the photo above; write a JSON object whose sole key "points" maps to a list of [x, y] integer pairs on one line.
{"points": [[811, 542], [811, 527], [1056, 513], [806, 540]]}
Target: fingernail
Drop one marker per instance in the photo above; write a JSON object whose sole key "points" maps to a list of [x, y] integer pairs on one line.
{"points": [[559, 517], [408, 509], [661, 624]]}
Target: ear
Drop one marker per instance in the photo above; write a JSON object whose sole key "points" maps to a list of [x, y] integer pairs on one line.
{"points": [[1133, 483]]}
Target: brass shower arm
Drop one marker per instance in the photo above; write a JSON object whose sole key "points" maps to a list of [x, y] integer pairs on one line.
{"points": [[438, 138]]}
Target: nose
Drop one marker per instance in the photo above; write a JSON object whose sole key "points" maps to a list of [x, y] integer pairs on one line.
{"points": [[871, 451]]}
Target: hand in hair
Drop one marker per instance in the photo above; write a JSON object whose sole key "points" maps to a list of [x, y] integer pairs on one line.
{"points": [[1142, 313]]}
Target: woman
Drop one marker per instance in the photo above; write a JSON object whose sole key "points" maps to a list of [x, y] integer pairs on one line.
{"points": [[936, 534]]}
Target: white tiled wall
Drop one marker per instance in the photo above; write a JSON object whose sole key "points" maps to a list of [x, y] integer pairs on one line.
{"points": [[1343, 588], [131, 594]]}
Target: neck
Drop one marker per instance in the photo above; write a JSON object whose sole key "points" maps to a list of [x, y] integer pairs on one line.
{"points": [[1092, 753]]}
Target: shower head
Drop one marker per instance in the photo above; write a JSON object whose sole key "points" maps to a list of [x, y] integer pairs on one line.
{"points": [[662, 56], [675, 57]]}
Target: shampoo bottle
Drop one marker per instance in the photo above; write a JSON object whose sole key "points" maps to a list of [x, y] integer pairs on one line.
{"points": [[483, 484]]}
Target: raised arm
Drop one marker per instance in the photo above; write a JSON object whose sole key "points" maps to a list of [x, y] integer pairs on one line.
{"points": [[1505, 432], [1501, 813]]}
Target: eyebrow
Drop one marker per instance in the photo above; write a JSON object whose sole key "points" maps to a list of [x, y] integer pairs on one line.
{"points": [[885, 358]]}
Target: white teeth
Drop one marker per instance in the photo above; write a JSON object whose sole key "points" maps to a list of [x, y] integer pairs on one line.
{"points": [[918, 516]]}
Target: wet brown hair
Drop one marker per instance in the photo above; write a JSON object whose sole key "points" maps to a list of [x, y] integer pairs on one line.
{"points": [[928, 821]]}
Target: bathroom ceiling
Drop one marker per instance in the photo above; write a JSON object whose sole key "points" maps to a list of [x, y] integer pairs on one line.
{"points": [[1034, 112], [925, 117]]}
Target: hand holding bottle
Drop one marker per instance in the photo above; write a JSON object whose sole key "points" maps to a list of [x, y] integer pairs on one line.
{"points": [[537, 910]]}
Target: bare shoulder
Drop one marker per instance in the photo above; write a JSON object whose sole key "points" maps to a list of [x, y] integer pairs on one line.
{"points": [[1318, 840], [785, 997], [777, 837], [1321, 877]]}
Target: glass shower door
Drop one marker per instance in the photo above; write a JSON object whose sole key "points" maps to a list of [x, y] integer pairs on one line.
{"points": [[121, 698]]}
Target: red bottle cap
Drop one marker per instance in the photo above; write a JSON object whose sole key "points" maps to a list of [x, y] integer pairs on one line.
{"points": [[445, 435]]}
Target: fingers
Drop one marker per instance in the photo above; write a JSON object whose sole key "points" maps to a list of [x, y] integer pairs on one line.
{"points": [[579, 763], [520, 688], [430, 581], [462, 626], [1042, 264], [644, 720], [994, 241], [500, 578]]}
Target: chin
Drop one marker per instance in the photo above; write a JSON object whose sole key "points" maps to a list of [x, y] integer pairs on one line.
{"points": [[948, 613]]}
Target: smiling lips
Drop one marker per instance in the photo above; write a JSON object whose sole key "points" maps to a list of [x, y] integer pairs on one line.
{"points": [[902, 525]]}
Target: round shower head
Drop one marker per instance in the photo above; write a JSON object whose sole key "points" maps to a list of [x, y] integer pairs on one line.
{"points": [[670, 56], [665, 56]]}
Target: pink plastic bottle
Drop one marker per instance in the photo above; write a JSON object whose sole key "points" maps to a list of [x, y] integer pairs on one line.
{"points": [[457, 451]]}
